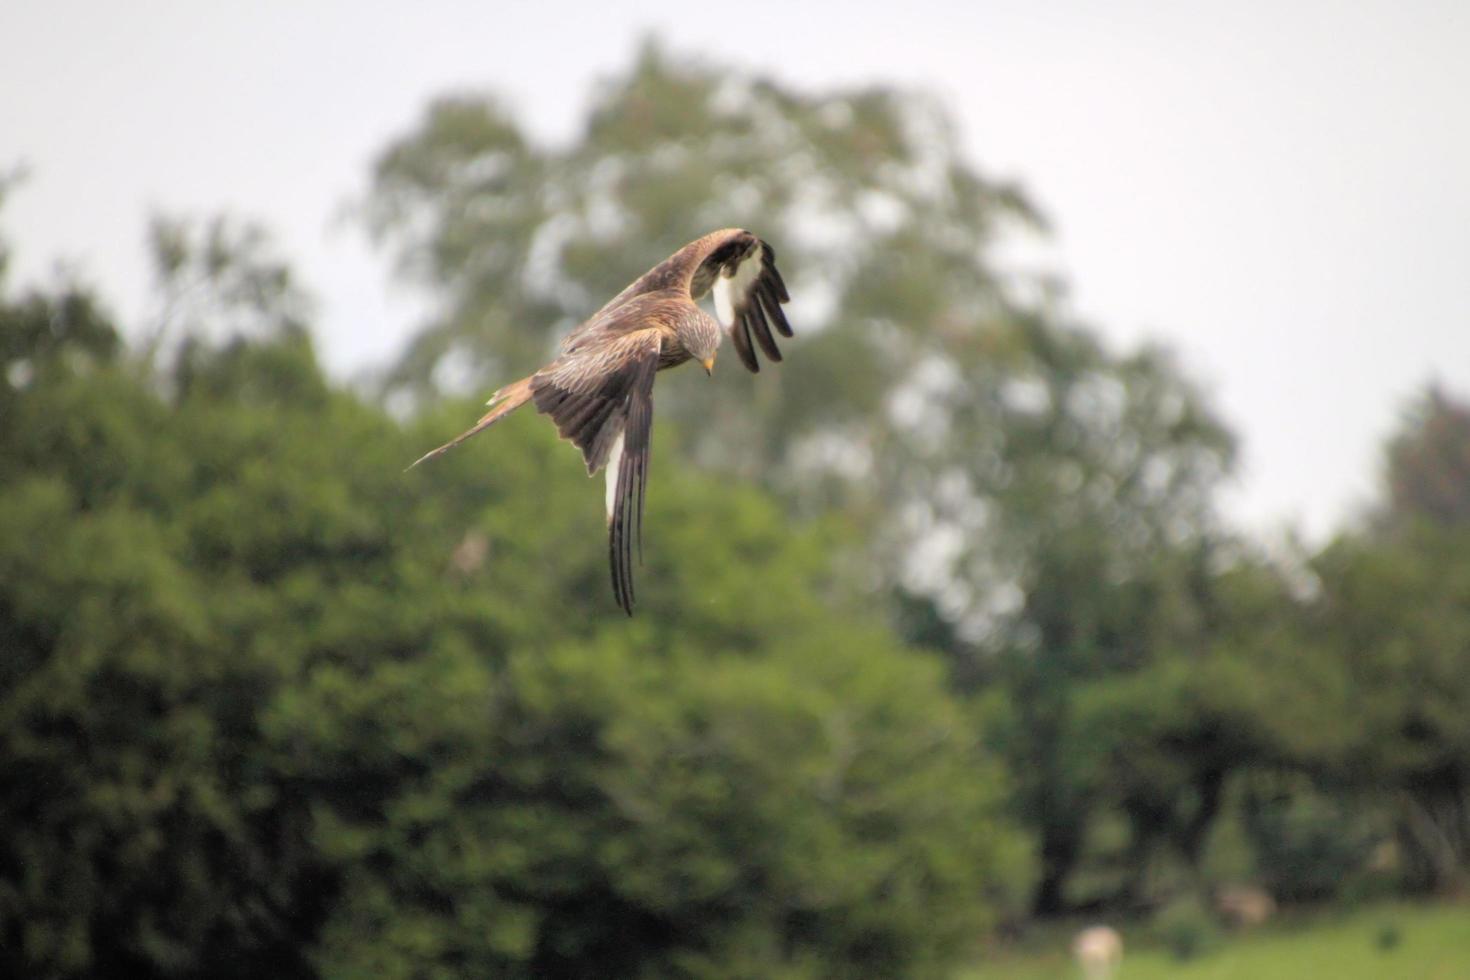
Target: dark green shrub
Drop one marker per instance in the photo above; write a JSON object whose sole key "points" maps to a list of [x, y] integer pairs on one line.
{"points": [[1307, 845], [1186, 928]]}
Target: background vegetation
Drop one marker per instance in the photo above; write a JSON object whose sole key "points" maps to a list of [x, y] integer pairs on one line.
{"points": [[940, 635]]}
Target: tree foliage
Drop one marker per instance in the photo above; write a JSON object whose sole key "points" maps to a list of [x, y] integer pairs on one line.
{"points": [[922, 397], [1428, 472], [1028, 493], [1395, 609], [273, 707]]}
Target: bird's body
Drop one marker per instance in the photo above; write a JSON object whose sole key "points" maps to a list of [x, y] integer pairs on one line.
{"points": [[599, 390]]}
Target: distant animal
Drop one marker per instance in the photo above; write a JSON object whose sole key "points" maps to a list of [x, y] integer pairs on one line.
{"points": [[599, 391], [1244, 906], [1099, 951]]}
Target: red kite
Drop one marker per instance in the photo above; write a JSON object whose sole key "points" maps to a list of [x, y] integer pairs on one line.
{"points": [[599, 391]]}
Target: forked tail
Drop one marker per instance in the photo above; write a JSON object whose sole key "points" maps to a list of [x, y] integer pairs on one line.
{"points": [[502, 403]]}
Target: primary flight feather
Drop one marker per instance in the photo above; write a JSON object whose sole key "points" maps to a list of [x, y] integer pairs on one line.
{"points": [[599, 390]]}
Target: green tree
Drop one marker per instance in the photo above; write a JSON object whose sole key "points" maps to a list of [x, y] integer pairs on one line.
{"points": [[140, 834], [1394, 600], [1365, 691], [1172, 739], [1023, 492], [1396, 617], [271, 707], [1428, 471]]}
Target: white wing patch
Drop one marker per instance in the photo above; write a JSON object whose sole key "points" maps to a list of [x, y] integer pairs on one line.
{"points": [[732, 292], [614, 467]]}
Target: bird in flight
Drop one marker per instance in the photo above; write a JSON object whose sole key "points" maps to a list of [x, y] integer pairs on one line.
{"points": [[599, 389]]}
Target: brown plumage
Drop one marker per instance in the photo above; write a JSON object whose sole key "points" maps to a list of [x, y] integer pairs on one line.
{"points": [[599, 391]]}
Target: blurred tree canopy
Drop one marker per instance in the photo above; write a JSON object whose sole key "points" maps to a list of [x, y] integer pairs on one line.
{"points": [[921, 397], [1428, 472], [271, 707], [1020, 488], [1395, 609], [939, 629]]}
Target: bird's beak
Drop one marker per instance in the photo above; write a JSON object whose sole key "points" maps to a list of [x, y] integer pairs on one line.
{"points": [[709, 364]]}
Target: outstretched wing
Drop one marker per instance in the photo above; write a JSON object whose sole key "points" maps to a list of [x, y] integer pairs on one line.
{"points": [[601, 398], [748, 296], [748, 290], [627, 481]]}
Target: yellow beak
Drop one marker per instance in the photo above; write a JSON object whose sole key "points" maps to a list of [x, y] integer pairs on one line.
{"points": [[709, 364]]}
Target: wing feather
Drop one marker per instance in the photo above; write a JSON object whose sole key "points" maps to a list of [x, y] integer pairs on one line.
{"points": [[766, 294], [768, 263], [740, 337], [585, 391], [600, 396], [760, 326], [748, 295], [625, 519]]}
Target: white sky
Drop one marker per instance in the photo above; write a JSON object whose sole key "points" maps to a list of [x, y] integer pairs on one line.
{"points": [[1280, 191]]}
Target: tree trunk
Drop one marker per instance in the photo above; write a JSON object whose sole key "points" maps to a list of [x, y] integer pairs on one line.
{"points": [[1210, 786], [1435, 832], [1060, 844]]}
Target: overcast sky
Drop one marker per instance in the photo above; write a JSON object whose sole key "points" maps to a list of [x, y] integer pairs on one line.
{"points": [[1280, 191]]}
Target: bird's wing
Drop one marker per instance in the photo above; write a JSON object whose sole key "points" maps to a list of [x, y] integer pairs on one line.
{"points": [[628, 316], [748, 296], [748, 291], [601, 399]]}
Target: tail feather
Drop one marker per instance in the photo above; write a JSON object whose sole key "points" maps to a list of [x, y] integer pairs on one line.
{"points": [[502, 403]]}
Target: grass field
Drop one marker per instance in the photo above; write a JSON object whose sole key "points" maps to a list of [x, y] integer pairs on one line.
{"points": [[1433, 943]]}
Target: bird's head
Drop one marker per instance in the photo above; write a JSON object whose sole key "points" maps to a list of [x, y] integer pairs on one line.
{"points": [[702, 340]]}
